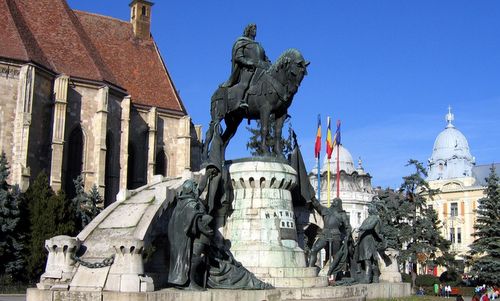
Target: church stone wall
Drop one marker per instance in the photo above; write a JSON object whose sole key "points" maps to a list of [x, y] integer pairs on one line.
{"points": [[138, 148], [171, 135], [81, 109], [40, 134], [9, 81], [179, 140], [113, 146]]}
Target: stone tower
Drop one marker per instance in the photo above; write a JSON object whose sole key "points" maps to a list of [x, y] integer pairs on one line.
{"points": [[140, 17]]}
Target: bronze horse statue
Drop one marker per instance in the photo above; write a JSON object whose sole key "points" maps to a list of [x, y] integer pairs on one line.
{"points": [[270, 94]]}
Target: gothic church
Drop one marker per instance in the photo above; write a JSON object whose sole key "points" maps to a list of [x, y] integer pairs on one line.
{"points": [[87, 94]]}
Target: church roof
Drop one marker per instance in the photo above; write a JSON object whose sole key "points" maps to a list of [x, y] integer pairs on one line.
{"points": [[86, 46]]}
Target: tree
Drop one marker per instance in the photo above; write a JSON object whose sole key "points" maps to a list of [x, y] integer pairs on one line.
{"points": [[50, 215], [408, 224], [85, 205], [11, 245], [392, 212], [484, 254], [95, 199], [254, 142]]}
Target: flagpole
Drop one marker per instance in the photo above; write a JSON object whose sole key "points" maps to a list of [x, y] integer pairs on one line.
{"points": [[338, 163], [317, 155], [319, 178], [328, 167], [328, 183]]}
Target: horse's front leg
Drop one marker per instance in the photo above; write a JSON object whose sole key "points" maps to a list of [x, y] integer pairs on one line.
{"points": [[264, 131], [278, 129]]}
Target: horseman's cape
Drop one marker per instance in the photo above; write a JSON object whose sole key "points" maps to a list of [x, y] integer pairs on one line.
{"points": [[235, 69]]}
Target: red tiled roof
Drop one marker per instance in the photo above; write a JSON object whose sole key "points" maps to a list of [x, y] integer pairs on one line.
{"points": [[51, 36], [135, 63], [88, 46]]}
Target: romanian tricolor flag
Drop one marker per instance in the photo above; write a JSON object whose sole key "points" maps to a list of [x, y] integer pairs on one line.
{"points": [[317, 145], [329, 142], [336, 138]]}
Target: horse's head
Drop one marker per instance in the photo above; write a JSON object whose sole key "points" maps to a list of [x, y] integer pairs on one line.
{"points": [[293, 64], [289, 69]]}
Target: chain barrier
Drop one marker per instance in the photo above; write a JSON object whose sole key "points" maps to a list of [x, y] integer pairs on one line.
{"points": [[95, 265]]}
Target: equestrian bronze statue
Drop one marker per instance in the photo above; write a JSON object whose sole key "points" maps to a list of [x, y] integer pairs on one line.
{"points": [[256, 90]]}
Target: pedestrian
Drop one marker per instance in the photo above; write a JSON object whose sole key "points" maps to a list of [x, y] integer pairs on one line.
{"points": [[447, 290], [485, 297], [436, 289]]}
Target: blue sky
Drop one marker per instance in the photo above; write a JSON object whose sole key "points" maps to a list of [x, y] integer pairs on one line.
{"points": [[387, 69]]}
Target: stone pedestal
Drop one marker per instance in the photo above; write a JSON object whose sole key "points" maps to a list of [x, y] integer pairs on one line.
{"points": [[391, 272], [60, 266], [262, 227]]}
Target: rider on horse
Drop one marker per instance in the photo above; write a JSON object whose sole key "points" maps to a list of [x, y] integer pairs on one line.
{"points": [[249, 62]]}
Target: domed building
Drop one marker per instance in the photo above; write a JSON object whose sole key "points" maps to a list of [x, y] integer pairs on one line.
{"points": [[355, 185], [452, 170], [451, 157]]}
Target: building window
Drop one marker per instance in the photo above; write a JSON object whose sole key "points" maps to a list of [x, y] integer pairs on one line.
{"points": [[359, 218], [454, 209], [459, 235], [452, 235], [144, 11]]}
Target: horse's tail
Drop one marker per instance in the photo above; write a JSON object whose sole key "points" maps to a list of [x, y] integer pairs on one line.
{"points": [[218, 103], [218, 109]]}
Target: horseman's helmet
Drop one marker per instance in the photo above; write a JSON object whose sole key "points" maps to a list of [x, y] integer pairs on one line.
{"points": [[337, 204]]}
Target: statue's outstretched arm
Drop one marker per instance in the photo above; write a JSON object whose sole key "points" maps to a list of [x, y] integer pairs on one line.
{"points": [[317, 205]]}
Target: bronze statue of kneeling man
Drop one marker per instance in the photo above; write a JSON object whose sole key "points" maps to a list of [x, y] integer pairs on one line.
{"points": [[189, 235]]}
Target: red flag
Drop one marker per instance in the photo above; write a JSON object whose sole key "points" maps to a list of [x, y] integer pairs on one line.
{"points": [[317, 145], [329, 142]]}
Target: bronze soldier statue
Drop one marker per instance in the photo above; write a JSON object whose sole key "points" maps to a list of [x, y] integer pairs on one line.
{"points": [[370, 243], [336, 227], [249, 61]]}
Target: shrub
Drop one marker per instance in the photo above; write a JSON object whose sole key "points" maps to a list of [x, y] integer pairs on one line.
{"points": [[426, 280]]}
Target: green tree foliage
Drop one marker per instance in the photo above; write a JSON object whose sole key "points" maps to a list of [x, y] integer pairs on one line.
{"points": [[11, 245], [85, 205], [50, 215], [253, 143], [484, 255], [95, 199], [408, 224]]}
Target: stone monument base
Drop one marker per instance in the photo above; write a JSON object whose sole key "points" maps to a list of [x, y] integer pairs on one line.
{"points": [[290, 277], [351, 293]]}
